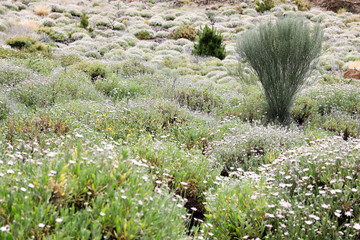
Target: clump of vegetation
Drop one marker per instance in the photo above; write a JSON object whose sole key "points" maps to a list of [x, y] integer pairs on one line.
{"points": [[282, 55], [210, 43], [26, 43], [143, 35], [53, 34], [42, 10], [131, 68], [264, 5], [184, 31], [84, 21], [303, 5], [4, 110], [94, 69], [198, 100], [303, 110]]}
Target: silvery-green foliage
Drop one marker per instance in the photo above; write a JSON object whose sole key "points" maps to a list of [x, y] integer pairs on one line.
{"points": [[282, 56]]}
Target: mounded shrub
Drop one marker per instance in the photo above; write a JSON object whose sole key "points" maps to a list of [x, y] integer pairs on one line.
{"points": [[184, 31], [53, 34], [143, 35], [26, 43]]}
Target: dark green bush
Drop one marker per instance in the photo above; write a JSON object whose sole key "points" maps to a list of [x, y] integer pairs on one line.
{"points": [[264, 5], [282, 55], [184, 32], [143, 35], [84, 21], [26, 43], [210, 43]]}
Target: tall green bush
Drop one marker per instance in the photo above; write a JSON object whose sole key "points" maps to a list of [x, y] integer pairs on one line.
{"points": [[210, 43], [283, 55], [84, 21]]}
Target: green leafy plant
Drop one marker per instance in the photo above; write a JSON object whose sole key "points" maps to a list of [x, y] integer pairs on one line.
{"points": [[184, 31], [282, 55], [210, 43], [264, 5], [84, 21]]}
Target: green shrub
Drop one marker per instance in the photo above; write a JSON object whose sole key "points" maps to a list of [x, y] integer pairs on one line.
{"points": [[84, 21], [339, 124], [304, 108], [75, 13], [26, 43], [143, 35], [48, 23], [94, 69], [264, 5], [210, 43], [282, 55], [184, 32], [53, 34]]}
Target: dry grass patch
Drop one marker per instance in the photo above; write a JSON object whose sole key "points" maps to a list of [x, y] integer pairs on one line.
{"points": [[30, 24], [42, 10]]}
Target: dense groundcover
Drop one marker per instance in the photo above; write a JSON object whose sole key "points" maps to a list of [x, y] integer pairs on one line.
{"points": [[115, 130]]}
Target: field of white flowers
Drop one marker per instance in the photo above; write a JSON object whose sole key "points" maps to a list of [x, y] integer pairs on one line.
{"points": [[114, 129]]}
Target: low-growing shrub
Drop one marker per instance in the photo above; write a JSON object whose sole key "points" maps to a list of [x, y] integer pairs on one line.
{"points": [[237, 210], [32, 129], [303, 109], [338, 123], [253, 146], [39, 64], [131, 68], [198, 100], [143, 35], [95, 69], [184, 31], [118, 88], [26, 43], [264, 5], [56, 36], [249, 108], [210, 43], [160, 118]]}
